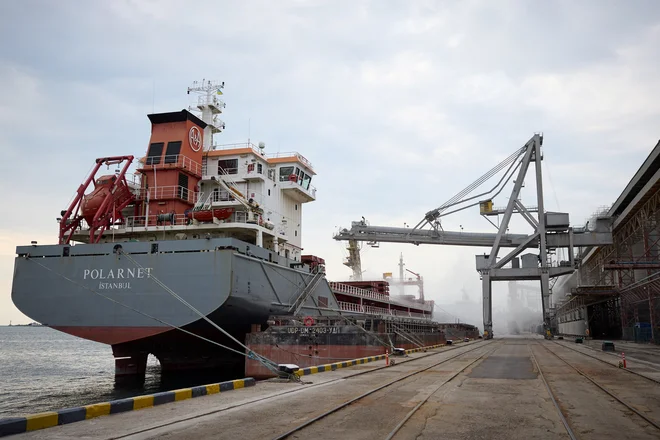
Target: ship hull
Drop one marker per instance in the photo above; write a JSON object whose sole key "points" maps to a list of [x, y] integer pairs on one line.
{"points": [[131, 296], [332, 339], [126, 297]]}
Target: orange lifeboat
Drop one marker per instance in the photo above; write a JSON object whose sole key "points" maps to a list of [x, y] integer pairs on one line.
{"points": [[208, 215], [103, 187]]}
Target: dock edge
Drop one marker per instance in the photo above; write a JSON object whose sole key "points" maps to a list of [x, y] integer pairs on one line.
{"points": [[345, 364], [33, 422]]}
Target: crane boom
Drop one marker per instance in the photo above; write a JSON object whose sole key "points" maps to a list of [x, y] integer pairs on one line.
{"points": [[551, 230], [360, 231]]}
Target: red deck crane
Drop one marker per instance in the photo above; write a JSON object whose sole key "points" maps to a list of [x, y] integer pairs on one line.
{"points": [[101, 208]]}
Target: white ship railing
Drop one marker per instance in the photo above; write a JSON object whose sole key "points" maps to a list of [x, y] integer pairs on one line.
{"points": [[169, 192], [235, 146], [352, 290], [350, 307], [257, 150], [140, 221], [371, 310], [210, 100], [408, 303], [172, 161], [295, 154], [364, 293]]}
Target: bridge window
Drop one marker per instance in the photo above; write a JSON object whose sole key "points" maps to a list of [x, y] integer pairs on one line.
{"points": [[306, 181], [154, 153], [285, 172], [260, 168], [228, 166], [173, 150]]}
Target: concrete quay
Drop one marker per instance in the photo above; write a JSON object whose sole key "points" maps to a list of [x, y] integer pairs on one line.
{"points": [[497, 389]]}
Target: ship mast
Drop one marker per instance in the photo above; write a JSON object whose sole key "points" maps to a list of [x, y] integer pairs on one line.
{"points": [[208, 107]]}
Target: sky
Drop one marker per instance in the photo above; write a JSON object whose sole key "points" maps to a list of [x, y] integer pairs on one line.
{"points": [[398, 104]]}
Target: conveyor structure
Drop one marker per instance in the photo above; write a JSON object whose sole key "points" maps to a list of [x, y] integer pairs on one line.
{"points": [[551, 230]]}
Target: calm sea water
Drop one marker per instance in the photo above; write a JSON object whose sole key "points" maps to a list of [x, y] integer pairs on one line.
{"points": [[42, 369]]}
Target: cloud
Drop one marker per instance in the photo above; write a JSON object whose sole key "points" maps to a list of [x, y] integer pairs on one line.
{"points": [[399, 105]]}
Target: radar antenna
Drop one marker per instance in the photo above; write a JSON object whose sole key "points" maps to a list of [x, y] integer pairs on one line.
{"points": [[208, 107]]}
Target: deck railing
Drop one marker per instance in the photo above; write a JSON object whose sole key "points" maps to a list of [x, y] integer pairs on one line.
{"points": [[350, 307], [172, 161], [168, 192], [352, 290], [364, 293]]}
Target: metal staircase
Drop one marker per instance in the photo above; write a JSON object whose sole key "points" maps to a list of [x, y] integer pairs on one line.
{"points": [[305, 291], [404, 334]]}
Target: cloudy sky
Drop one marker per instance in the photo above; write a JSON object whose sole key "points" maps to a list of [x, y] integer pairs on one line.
{"points": [[399, 105]]}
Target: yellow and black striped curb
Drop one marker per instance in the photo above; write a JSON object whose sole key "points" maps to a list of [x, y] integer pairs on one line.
{"points": [[345, 364], [17, 425]]}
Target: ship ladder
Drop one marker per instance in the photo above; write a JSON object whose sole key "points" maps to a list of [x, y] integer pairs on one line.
{"points": [[305, 292], [410, 338]]}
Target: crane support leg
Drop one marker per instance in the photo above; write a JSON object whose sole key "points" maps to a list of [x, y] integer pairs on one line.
{"points": [[487, 306], [545, 296]]}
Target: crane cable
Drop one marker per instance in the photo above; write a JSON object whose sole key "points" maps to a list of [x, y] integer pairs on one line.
{"points": [[496, 169], [509, 161]]}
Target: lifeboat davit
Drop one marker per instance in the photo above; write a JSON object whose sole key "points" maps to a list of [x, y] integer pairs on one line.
{"points": [[207, 215]]}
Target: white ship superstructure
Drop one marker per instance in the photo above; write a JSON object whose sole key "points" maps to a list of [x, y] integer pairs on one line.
{"points": [[234, 191]]}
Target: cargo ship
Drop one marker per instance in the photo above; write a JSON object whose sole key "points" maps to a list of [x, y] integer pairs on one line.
{"points": [[193, 253]]}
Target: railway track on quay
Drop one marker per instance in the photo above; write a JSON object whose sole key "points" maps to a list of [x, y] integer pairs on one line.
{"points": [[623, 402], [391, 396], [172, 424], [609, 363]]}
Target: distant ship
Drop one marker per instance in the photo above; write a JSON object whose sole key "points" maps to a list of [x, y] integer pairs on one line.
{"points": [[199, 253], [32, 324]]}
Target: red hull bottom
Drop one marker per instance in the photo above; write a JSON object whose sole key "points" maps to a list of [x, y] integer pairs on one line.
{"points": [[111, 335]]}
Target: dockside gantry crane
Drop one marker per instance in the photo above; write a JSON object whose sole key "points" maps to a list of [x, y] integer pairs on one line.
{"points": [[551, 230]]}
